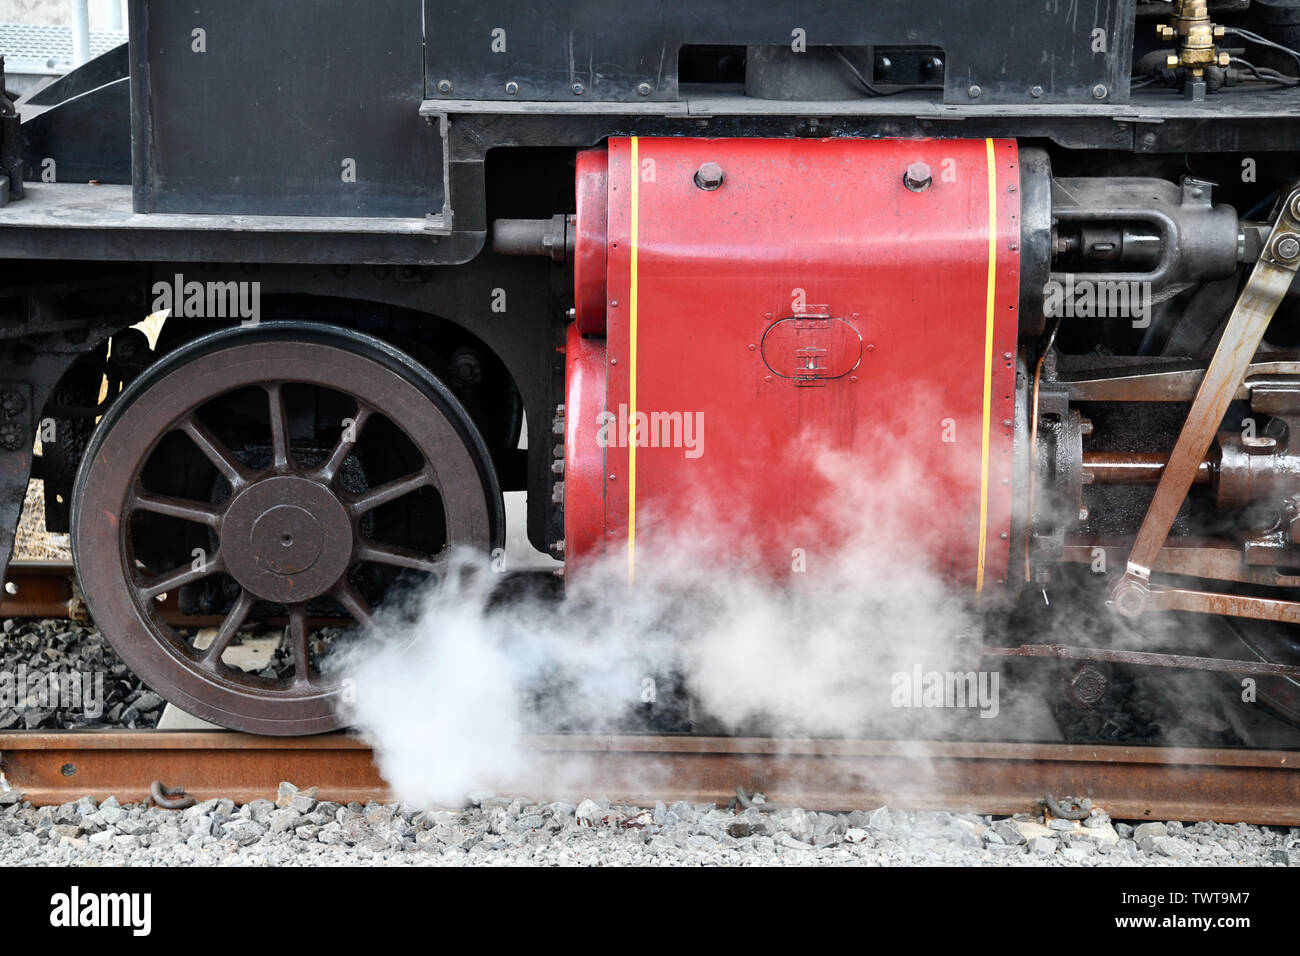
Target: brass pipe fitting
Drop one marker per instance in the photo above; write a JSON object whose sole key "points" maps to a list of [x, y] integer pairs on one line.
{"points": [[1196, 35]]}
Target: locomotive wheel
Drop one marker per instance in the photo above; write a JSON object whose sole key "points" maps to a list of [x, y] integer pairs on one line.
{"points": [[300, 509], [1273, 642]]}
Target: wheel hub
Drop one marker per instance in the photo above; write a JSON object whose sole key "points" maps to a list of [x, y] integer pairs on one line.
{"points": [[287, 539]]}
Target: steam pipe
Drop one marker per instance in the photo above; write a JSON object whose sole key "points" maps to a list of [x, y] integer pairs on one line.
{"points": [[552, 237]]}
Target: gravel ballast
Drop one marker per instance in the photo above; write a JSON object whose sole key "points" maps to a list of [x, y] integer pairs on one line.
{"points": [[104, 693], [296, 829]]}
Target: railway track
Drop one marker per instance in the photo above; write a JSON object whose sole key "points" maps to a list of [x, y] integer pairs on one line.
{"points": [[1229, 786], [45, 589], [48, 589], [1225, 785]]}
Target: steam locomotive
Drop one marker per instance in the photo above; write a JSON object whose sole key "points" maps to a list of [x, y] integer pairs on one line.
{"points": [[639, 259]]}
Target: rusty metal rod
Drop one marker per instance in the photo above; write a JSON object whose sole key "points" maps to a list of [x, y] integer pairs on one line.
{"points": [[1135, 468], [1146, 659]]}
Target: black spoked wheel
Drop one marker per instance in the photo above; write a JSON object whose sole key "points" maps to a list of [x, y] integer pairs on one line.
{"points": [[282, 476], [1272, 642]]}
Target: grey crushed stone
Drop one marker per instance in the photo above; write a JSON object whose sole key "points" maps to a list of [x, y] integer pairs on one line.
{"points": [[298, 830], [42, 647]]}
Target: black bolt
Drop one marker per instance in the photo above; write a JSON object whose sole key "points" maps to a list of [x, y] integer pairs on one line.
{"points": [[468, 368], [11, 436], [12, 402], [1087, 685]]}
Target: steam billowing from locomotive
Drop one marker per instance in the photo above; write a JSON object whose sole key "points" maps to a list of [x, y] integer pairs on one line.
{"points": [[448, 698]]}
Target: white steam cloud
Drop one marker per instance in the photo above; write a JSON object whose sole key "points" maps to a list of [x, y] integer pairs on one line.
{"points": [[447, 700]]}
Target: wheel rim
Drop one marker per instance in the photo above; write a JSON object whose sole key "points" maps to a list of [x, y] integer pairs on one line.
{"points": [[298, 527], [1271, 642]]}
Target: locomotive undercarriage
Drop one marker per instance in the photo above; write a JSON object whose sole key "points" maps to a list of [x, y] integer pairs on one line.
{"points": [[295, 471], [1106, 426]]}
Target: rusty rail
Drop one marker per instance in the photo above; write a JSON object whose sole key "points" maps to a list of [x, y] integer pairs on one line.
{"points": [[48, 589], [42, 589], [1129, 782]]}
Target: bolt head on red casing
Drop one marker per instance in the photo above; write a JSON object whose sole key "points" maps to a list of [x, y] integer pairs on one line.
{"points": [[917, 177], [709, 176]]}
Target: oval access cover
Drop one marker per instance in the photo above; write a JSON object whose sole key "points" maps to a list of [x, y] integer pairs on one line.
{"points": [[808, 349]]}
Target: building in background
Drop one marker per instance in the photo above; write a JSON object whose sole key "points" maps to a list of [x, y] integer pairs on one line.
{"points": [[43, 39]]}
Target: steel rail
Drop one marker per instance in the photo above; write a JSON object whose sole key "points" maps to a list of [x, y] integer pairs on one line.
{"points": [[48, 590], [1132, 783], [40, 589]]}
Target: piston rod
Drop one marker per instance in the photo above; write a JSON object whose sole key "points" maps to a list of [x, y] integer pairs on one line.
{"points": [[1135, 468]]}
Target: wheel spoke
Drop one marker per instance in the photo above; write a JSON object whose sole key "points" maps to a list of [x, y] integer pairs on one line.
{"points": [[399, 557], [279, 427], [347, 441], [369, 500], [176, 577], [221, 457], [298, 644], [183, 508], [354, 604], [230, 626]]}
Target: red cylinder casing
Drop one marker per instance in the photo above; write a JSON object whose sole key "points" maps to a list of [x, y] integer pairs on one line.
{"points": [[590, 262], [584, 457], [844, 343]]}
